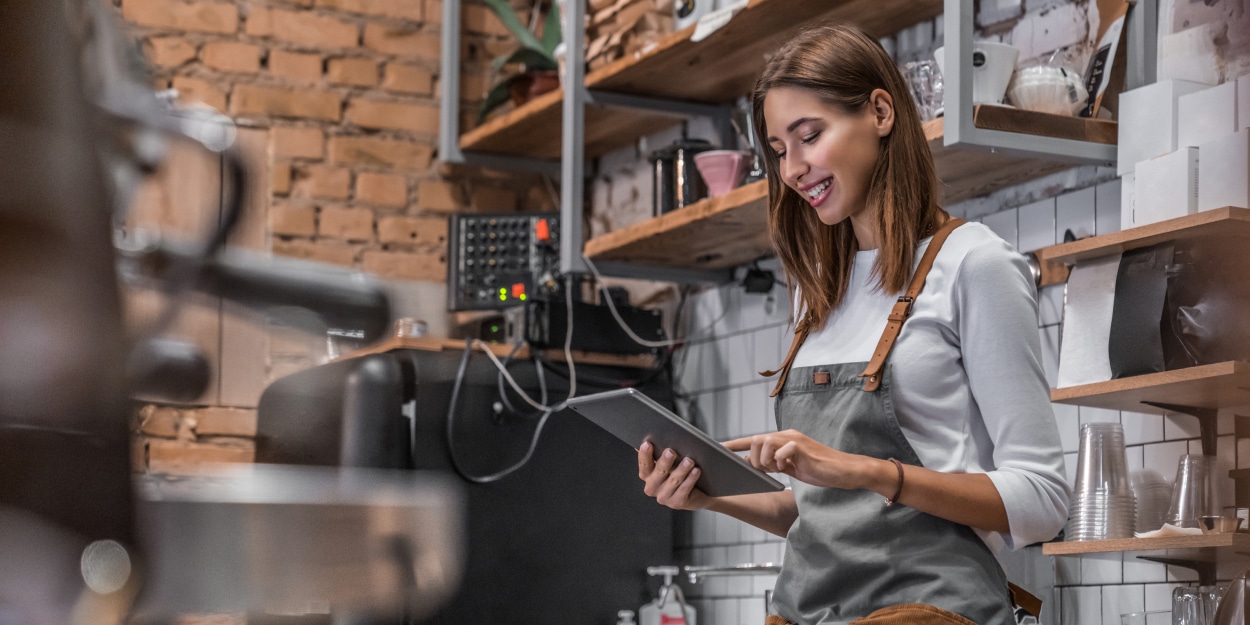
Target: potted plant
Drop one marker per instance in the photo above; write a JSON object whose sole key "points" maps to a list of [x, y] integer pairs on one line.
{"points": [[536, 56]]}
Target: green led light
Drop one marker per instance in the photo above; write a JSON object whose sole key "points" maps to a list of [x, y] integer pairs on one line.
{"points": [[503, 291], [503, 297], [494, 328], [522, 297]]}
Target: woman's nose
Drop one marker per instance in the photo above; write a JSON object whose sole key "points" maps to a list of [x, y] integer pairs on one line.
{"points": [[795, 169]]}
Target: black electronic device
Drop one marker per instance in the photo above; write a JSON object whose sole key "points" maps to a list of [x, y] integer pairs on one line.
{"points": [[595, 328], [501, 261]]}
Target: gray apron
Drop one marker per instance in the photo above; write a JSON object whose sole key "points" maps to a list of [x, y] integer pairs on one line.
{"points": [[848, 554]]}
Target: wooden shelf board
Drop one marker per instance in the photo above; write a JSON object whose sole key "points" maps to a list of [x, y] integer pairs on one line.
{"points": [[437, 344], [1224, 222], [966, 173], [1221, 385], [534, 129], [711, 234], [718, 69], [727, 63], [1182, 547]]}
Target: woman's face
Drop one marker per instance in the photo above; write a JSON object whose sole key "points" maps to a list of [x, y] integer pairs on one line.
{"points": [[825, 154]]}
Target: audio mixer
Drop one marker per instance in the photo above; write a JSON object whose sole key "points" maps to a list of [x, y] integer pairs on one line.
{"points": [[501, 261]]}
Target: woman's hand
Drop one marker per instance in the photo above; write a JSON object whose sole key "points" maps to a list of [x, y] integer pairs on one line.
{"points": [[670, 480], [803, 458]]}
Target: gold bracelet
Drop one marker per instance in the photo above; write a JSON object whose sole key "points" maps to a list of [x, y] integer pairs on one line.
{"points": [[889, 501]]}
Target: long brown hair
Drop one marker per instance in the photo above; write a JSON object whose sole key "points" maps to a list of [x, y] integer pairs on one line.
{"points": [[843, 65]]}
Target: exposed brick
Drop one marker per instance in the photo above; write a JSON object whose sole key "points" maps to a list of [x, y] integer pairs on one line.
{"points": [[185, 458], [196, 90], [427, 267], [168, 51], [433, 12], [380, 152], [381, 189], [291, 142], [293, 219], [218, 421], [229, 56], [333, 252], [480, 19], [159, 421], [323, 182], [424, 231], [474, 86], [402, 41], [408, 79], [393, 115], [359, 72], [302, 27], [280, 178], [211, 17], [253, 100], [439, 195], [492, 199], [295, 65], [350, 224], [402, 9]]}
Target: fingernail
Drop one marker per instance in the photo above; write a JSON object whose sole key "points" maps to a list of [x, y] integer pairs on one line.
{"points": [[694, 471], [686, 462], [646, 445], [668, 453]]}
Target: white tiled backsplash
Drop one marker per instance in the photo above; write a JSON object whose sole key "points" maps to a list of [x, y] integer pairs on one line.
{"points": [[741, 334]]}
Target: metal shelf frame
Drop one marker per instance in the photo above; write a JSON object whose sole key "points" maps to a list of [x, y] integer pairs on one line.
{"points": [[960, 130]]}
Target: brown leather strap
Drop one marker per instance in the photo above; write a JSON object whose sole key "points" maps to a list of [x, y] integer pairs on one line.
{"points": [[1025, 600], [902, 308], [800, 334]]}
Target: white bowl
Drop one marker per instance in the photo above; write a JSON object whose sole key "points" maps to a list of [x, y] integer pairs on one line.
{"points": [[1048, 89]]}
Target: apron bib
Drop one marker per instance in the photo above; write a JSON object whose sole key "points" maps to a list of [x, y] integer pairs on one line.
{"points": [[848, 555]]}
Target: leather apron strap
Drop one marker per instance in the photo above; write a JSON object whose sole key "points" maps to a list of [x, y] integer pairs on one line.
{"points": [[899, 314]]}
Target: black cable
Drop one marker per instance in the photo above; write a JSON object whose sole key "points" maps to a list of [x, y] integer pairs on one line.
{"points": [[451, 414], [503, 395]]}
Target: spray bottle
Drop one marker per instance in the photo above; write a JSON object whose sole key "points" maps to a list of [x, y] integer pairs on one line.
{"points": [[662, 611]]}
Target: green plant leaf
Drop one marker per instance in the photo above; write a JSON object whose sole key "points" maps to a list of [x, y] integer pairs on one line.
{"points": [[497, 96], [551, 29], [504, 11], [534, 60]]}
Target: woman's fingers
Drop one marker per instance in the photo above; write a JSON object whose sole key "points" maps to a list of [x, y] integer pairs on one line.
{"points": [[663, 469], [668, 488], [646, 464], [686, 488], [785, 456]]}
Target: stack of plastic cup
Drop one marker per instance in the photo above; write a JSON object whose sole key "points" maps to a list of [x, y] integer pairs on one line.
{"points": [[1102, 502], [1193, 493]]}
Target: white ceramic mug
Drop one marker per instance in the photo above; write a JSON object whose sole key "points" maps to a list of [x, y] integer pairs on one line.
{"points": [[992, 66]]}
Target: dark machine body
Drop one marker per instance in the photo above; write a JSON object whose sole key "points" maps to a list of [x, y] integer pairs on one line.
{"points": [[566, 538]]}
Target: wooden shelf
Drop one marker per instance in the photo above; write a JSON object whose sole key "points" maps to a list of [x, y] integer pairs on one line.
{"points": [[1221, 385], [1222, 222], [965, 173], [435, 344], [711, 234], [1198, 548], [716, 70]]}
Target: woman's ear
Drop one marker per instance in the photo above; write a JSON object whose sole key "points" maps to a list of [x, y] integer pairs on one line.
{"points": [[883, 111]]}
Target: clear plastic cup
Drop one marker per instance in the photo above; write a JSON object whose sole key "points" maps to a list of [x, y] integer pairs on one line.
{"points": [[1193, 492]]}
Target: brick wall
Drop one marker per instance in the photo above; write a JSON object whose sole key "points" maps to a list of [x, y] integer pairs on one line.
{"points": [[349, 91]]}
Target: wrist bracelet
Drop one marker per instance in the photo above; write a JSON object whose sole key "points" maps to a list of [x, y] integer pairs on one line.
{"points": [[889, 501]]}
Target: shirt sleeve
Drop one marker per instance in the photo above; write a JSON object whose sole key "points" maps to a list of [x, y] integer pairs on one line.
{"points": [[997, 320]]}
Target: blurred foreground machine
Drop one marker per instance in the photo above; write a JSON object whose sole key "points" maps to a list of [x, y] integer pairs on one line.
{"points": [[564, 539]]}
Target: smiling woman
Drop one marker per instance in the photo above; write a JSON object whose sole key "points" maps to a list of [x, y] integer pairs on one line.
{"points": [[913, 414]]}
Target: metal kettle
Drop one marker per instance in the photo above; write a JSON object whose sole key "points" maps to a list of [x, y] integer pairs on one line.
{"points": [[1234, 604]]}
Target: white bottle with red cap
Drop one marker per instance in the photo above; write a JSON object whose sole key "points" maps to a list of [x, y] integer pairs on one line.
{"points": [[670, 608]]}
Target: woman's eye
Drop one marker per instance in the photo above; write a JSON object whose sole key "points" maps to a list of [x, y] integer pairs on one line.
{"points": [[810, 138]]}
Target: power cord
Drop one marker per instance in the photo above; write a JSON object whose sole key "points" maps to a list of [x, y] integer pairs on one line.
{"points": [[546, 411]]}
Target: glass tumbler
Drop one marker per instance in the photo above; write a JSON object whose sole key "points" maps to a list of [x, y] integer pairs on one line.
{"points": [[1195, 605], [924, 80]]}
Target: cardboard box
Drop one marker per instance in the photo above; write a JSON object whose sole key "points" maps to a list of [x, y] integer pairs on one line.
{"points": [[1224, 174], [1243, 102], [1167, 187], [1207, 115], [1128, 201], [1148, 121]]}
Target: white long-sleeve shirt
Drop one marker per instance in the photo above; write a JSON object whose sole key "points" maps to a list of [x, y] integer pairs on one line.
{"points": [[969, 390]]}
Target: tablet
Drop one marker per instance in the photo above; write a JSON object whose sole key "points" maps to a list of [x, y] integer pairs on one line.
{"points": [[633, 417]]}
